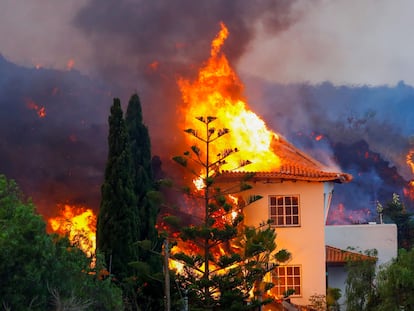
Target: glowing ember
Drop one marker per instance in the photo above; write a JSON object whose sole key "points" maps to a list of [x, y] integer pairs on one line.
{"points": [[154, 65], [70, 64], [40, 110], [79, 225], [318, 137], [218, 92]]}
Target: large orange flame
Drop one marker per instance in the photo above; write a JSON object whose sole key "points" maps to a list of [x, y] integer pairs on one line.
{"points": [[409, 191], [218, 92], [78, 224]]}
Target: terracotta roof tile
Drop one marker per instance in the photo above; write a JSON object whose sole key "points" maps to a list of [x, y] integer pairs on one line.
{"points": [[337, 256], [296, 165]]}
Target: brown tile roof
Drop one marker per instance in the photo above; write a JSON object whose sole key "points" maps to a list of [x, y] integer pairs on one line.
{"points": [[295, 165], [337, 256]]}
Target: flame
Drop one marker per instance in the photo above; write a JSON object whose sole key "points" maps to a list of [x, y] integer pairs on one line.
{"points": [[40, 110], [409, 191], [154, 65], [217, 92], [409, 160], [70, 64], [319, 137], [78, 224]]}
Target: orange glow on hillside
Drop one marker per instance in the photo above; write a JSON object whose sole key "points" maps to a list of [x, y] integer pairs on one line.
{"points": [[79, 225], [70, 64], [409, 159], [217, 92], [40, 110]]}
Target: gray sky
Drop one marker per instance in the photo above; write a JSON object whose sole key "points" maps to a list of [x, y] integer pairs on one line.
{"points": [[345, 42], [351, 42]]}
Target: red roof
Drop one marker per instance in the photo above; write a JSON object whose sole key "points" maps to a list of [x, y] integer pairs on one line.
{"points": [[296, 165], [337, 256]]}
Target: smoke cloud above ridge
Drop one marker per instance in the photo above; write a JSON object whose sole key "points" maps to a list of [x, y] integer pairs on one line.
{"points": [[143, 46]]}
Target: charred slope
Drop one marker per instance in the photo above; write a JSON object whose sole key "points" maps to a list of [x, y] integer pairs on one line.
{"points": [[53, 132]]}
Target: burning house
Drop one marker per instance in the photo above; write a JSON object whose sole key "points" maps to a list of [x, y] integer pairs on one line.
{"points": [[296, 197], [296, 189]]}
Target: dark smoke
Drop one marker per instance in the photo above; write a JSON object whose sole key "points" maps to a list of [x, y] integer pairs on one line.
{"points": [[129, 36], [58, 158], [367, 131], [138, 46], [143, 46]]}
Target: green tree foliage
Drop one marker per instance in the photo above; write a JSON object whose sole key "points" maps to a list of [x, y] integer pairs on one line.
{"points": [[24, 248], [117, 227], [396, 283], [126, 232], [360, 291], [223, 261], [42, 272], [396, 212], [142, 172], [148, 264]]}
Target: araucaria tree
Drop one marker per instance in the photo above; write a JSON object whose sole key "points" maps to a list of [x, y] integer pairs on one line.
{"points": [[224, 262]]}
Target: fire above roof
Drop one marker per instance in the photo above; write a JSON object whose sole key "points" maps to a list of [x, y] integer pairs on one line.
{"points": [[295, 165]]}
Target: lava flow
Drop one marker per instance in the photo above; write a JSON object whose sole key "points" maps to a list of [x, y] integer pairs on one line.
{"points": [[217, 92], [79, 225]]}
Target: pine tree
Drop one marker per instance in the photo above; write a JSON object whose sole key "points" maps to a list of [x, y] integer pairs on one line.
{"points": [[223, 261], [118, 217]]}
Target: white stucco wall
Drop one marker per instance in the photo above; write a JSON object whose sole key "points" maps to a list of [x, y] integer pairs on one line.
{"points": [[306, 242], [382, 237]]}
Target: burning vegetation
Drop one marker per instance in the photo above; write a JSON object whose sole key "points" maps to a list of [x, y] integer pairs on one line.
{"points": [[78, 223]]}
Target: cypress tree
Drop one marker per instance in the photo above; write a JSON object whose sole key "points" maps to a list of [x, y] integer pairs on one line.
{"points": [[148, 245], [118, 216], [142, 172]]}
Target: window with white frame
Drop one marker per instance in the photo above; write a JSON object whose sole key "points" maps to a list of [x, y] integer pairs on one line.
{"points": [[284, 210], [287, 278]]}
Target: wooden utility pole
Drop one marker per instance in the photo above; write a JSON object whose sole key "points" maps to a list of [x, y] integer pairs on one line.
{"points": [[167, 276]]}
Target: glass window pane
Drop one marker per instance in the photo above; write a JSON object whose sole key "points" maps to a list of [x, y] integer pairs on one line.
{"points": [[290, 281], [296, 270], [288, 200], [297, 280], [295, 200], [297, 290], [288, 211], [296, 220], [288, 220], [272, 200], [289, 270], [273, 210], [280, 200], [295, 210], [280, 210], [281, 271]]}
